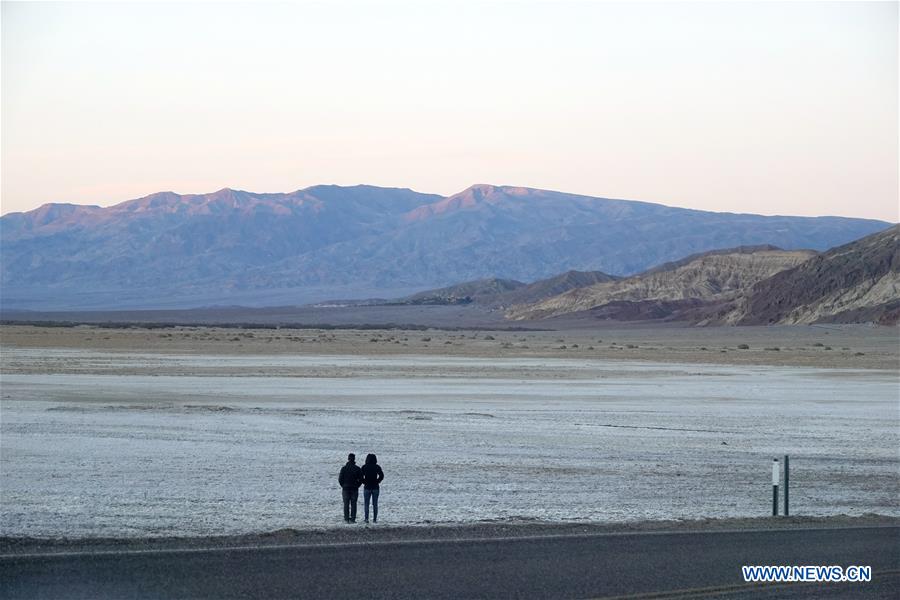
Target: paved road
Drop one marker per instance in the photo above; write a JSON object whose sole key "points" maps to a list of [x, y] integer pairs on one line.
{"points": [[699, 564]]}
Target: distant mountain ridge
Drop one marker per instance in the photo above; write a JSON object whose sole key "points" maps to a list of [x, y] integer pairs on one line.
{"points": [[492, 292], [237, 247], [480, 290]]}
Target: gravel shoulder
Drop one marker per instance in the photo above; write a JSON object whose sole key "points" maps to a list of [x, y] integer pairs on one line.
{"points": [[360, 533]]}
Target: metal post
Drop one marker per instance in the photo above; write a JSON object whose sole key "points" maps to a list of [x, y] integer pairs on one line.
{"points": [[775, 488], [787, 479]]}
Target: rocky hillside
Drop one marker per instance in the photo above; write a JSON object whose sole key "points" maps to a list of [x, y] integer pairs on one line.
{"points": [[552, 286], [236, 247], [479, 291], [501, 293], [717, 275], [856, 282]]}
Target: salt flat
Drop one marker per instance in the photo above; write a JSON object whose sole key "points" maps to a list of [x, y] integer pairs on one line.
{"points": [[154, 443]]}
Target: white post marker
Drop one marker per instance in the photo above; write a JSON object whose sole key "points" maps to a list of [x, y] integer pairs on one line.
{"points": [[775, 477]]}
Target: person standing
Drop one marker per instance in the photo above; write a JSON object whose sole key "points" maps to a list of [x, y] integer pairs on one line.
{"points": [[350, 479], [371, 477]]}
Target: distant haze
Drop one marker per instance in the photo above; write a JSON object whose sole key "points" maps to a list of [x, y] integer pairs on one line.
{"points": [[768, 108]]}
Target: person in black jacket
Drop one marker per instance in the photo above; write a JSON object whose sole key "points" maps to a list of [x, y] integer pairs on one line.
{"points": [[371, 477], [350, 479]]}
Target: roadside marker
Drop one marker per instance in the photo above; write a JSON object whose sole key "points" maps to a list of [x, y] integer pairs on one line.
{"points": [[775, 487], [787, 472]]}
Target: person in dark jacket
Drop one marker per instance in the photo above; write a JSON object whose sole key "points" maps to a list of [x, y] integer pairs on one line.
{"points": [[371, 477], [350, 479]]}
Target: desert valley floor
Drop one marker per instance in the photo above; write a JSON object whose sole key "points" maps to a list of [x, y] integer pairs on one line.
{"points": [[203, 431]]}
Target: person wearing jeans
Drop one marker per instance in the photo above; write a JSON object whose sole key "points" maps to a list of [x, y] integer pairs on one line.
{"points": [[372, 475]]}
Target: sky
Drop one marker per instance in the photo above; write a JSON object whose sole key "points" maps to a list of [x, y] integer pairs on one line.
{"points": [[763, 107]]}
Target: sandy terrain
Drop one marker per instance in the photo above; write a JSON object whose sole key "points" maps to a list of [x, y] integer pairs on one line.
{"points": [[855, 347]]}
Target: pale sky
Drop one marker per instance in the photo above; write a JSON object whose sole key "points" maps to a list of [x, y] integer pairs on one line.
{"points": [[773, 108]]}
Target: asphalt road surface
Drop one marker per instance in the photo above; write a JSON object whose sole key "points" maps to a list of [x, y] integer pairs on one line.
{"points": [[641, 565]]}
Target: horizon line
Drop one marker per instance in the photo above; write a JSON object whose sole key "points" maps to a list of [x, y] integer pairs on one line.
{"points": [[441, 196]]}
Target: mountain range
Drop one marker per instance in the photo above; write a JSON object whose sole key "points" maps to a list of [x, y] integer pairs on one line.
{"points": [[748, 285], [237, 247]]}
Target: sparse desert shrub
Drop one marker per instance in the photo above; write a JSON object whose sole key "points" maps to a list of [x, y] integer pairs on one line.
{"points": [[818, 345], [632, 346], [574, 345], [489, 337], [828, 347], [774, 349], [743, 347], [704, 348], [426, 339], [860, 354], [590, 347]]}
